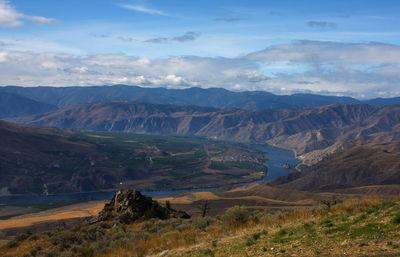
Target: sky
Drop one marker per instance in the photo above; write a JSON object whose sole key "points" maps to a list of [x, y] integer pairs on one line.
{"points": [[349, 48]]}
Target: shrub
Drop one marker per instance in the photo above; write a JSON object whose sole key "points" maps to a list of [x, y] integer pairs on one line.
{"points": [[24, 236], [65, 239], [236, 216], [12, 243], [250, 242], [396, 218], [200, 223], [35, 251], [281, 233], [206, 252], [150, 225], [257, 235]]}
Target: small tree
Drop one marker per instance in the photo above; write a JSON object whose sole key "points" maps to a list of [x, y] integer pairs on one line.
{"points": [[329, 203]]}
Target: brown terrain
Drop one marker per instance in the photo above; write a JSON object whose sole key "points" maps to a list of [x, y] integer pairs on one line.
{"points": [[363, 164], [352, 151], [300, 130], [38, 160], [255, 196], [50, 219], [31, 156]]}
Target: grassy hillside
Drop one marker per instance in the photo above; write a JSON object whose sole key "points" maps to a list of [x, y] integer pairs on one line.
{"points": [[349, 228]]}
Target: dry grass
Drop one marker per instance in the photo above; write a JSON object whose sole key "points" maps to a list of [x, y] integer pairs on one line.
{"points": [[81, 210], [189, 198], [24, 247], [369, 227], [218, 240]]}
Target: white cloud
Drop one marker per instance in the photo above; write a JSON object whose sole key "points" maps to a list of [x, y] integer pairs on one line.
{"points": [[41, 19], [359, 70], [37, 45], [10, 17], [30, 69], [252, 76], [3, 56], [330, 52], [139, 8]]}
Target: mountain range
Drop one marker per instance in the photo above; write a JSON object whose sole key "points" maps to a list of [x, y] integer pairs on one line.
{"points": [[44, 99], [302, 130], [345, 145]]}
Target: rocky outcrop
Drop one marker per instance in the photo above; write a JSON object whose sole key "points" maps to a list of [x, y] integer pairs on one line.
{"points": [[129, 206]]}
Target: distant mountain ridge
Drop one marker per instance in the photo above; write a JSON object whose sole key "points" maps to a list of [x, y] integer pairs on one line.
{"points": [[302, 130], [63, 97], [14, 105]]}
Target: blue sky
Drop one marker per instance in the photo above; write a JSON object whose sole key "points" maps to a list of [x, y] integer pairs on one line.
{"points": [[330, 47]]}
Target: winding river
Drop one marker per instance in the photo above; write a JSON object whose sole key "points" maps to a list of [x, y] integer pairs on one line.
{"points": [[276, 159]]}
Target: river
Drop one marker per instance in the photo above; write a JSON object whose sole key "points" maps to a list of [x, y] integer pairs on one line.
{"points": [[276, 159]]}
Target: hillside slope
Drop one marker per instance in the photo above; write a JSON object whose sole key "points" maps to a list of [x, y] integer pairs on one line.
{"points": [[348, 228], [38, 160], [33, 160], [362, 165], [13, 105], [301, 130]]}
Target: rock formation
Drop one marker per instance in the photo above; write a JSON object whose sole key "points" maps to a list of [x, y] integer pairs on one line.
{"points": [[130, 205]]}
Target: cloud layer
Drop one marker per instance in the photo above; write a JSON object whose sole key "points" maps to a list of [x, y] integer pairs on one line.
{"points": [[321, 24], [227, 19], [10, 17], [359, 70], [188, 36], [139, 8]]}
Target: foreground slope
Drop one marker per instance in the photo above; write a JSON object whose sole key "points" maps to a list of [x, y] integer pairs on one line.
{"points": [[348, 228]]}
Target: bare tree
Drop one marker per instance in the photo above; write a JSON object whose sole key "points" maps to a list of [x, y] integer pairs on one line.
{"points": [[168, 205], [204, 208]]}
